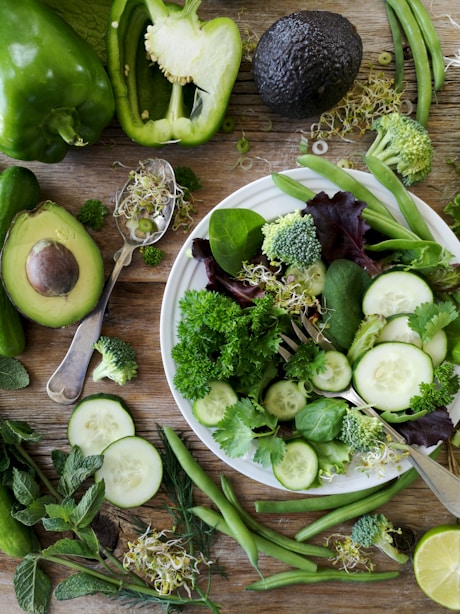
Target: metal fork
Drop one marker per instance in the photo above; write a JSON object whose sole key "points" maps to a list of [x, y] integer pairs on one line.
{"points": [[444, 484]]}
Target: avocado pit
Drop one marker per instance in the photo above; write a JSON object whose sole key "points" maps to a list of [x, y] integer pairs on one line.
{"points": [[51, 268]]}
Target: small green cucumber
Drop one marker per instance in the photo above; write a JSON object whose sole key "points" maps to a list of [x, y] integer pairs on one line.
{"points": [[16, 539], [19, 190]]}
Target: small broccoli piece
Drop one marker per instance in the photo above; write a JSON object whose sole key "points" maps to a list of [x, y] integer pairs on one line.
{"points": [[362, 433], [375, 530], [118, 360], [404, 145], [291, 239], [151, 255], [92, 214]]}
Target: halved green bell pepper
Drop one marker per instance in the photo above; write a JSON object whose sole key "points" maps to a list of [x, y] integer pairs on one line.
{"points": [[54, 90], [172, 73]]}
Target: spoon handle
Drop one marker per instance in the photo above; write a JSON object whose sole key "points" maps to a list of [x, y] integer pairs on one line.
{"points": [[66, 383]]}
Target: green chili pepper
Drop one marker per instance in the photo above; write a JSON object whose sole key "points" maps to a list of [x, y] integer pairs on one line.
{"points": [[55, 91], [171, 72]]}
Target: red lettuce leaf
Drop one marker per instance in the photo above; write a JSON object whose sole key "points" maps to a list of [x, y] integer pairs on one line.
{"points": [[427, 430], [340, 228]]}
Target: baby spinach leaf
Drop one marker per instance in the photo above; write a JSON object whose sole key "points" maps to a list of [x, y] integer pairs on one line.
{"points": [[235, 236], [343, 292], [321, 420]]}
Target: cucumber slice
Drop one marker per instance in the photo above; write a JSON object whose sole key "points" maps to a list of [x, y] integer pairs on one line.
{"points": [[398, 329], [285, 399], [310, 279], [132, 471], [389, 375], [337, 375], [396, 292], [299, 467], [98, 420], [210, 410]]}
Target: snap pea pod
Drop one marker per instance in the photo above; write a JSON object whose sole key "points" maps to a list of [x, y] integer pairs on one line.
{"points": [[267, 532], [397, 47], [216, 520], [293, 577], [345, 181], [292, 187], [363, 506], [191, 467], [386, 224], [312, 504], [432, 42], [420, 54], [388, 178]]}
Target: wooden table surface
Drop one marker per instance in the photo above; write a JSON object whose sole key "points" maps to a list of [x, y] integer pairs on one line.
{"points": [[134, 309]]}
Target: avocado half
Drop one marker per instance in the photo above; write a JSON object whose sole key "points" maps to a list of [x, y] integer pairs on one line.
{"points": [[306, 62], [51, 268]]}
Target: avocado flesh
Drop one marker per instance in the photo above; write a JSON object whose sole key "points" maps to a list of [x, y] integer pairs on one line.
{"points": [[306, 62], [51, 222]]}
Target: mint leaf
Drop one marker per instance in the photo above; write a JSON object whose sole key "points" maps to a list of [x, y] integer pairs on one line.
{"points": [[25, 488], [15, 431], [32, 586], [81, 584], [429, 318], [77, 469], [13, 374], [70, 547], [89, 506], [34, 512]]}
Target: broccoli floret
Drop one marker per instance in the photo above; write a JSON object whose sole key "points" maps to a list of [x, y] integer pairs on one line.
{"points": [[151, 255], [291, 239], [360, 432], [375, 530], [92, 214], [118, 360], [404, 145]]}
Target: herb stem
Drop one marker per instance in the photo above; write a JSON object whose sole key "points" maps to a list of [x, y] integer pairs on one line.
{"points": [[123, 585], [38, 471]]}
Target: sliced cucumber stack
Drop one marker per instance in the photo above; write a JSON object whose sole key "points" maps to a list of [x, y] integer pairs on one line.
{"points": [[396, 292], [132, 471], [299, 467], [210, 410], [398, 329], [285, 399], [389, 375], [337, 374], [98, 420]]}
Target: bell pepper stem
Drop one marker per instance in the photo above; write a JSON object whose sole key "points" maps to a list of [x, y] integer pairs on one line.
{"points": [[61, 121]]}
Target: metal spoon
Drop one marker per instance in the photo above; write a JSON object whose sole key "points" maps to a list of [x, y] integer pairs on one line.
{"points": [[66, 383]]}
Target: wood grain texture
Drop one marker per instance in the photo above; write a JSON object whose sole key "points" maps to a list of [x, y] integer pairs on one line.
{"points": [[134, 308]]}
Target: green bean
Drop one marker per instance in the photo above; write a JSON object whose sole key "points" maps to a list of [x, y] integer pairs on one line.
{"points": [[215, 520], [267, 532], [314, 503], [388, 178], [432, 41], [397, 47], [388, 227], [293, 577], [344, 181], [292, 187], [191, 467], [363, 506], [402, 244], [420, 55]]}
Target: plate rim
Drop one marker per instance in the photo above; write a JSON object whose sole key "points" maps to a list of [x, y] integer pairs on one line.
{"points": [[169, 311]]}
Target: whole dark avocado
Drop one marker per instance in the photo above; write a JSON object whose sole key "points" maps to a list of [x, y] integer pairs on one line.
{"points": [[306, 62]]}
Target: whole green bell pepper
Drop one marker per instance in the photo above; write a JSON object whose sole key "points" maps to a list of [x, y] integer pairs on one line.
{"points": [[172, 73], [54, 91]]}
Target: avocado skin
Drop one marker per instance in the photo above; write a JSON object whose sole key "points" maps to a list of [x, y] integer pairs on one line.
{"points": [[306, 62]]}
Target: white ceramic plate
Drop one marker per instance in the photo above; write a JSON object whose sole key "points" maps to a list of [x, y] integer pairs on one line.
{"points": [[266, 199]]}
